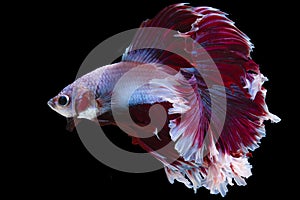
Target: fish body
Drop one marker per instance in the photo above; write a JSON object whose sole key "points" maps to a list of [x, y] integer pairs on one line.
{"points": [[147, 77], [98, 86]]}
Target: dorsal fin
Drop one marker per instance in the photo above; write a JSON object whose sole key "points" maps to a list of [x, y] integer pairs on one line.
{"points": [[176, 17], [222, 40]]}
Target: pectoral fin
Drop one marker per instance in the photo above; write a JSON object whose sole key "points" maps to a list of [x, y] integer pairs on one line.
{"points": [[72, 123]]}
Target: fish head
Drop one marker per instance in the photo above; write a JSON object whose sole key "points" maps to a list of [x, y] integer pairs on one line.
{"points": [[62, 103], [76, 101]]}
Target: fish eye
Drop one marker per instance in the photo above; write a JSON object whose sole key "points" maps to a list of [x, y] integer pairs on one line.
{"points": [[63, 100]]}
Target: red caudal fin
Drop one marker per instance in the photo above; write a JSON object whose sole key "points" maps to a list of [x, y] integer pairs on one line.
{"points": [[229, 49], [217, 158]]}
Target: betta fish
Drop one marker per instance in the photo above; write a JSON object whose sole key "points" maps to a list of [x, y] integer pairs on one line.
{"points": [[200, 156]]}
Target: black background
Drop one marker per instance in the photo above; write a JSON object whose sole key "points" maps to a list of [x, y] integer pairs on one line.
{"points": [[55, 163]]}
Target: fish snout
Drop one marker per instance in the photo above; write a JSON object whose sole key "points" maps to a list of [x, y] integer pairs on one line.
{"points": [[51, 103]]}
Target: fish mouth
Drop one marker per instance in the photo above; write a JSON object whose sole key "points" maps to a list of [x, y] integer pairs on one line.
{"points": [[51, 103]]}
